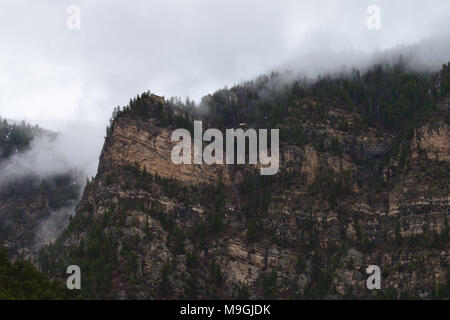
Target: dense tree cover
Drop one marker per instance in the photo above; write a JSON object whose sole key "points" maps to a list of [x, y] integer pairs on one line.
{"points": [[147, 105], [21, 280], [15, 137], [445, 80], [387, 97], [262, 103], [96, 256], [442, 290], [57, 190], [256, 194], [336, 185]]}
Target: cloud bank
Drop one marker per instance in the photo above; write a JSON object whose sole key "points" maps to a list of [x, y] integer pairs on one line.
{"points": [[188, 47], [51, 155]]}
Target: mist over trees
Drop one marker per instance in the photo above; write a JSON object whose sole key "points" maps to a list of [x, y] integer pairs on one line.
{"points": [[37, 189], [16, 138]]}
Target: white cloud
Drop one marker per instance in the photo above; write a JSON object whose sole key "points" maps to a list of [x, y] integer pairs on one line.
{"points": [[73, 151]]}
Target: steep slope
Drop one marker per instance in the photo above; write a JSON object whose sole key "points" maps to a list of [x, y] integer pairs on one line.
{"points": [[355, 188]]}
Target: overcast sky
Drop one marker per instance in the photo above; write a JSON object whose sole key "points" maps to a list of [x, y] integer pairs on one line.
{"points": [[50, 74]]}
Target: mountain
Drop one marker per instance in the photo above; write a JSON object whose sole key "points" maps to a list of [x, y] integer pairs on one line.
{"points": [[33, 208], [363, 180]]}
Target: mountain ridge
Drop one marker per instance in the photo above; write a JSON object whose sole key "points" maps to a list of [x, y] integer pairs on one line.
{"points": [[355, 188]]}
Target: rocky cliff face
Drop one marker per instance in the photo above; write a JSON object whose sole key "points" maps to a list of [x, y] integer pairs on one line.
{"points": [[146, 228], [148, 145]]}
